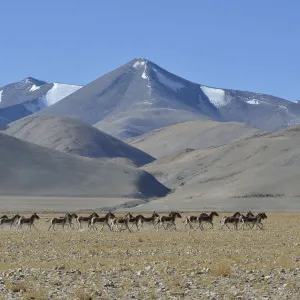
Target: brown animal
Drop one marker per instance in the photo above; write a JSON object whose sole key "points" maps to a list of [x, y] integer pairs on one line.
{"points": [[107, 220], [87, 220], [204, 218], [28, 221], [153, 220], [169, 220], [234, 220]]}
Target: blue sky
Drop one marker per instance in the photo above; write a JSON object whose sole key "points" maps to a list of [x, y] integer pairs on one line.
{"points": [[247, 45]]}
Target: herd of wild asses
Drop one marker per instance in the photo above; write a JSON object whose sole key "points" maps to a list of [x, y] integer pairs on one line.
{"points": [[129, 222]]}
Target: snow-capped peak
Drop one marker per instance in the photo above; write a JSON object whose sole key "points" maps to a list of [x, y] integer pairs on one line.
{"points": [[33, 81], [139, 63]]}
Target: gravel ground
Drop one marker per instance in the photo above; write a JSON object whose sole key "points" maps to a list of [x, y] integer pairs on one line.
{"points": [[187, 264]]}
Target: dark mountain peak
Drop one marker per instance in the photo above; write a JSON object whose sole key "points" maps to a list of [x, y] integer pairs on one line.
{"points": [[31, 80]]}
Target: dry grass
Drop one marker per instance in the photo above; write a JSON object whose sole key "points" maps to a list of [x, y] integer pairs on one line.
{"points": [[82, 295], [36, 294], [16, 287], [221, 270], [174, 257]]}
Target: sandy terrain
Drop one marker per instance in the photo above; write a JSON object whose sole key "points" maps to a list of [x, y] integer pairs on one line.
{"points": [[31, 170], [261, 171], [196, 134]]}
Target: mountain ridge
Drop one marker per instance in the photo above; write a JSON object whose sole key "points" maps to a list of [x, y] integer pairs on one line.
{"points": [[71, 136], [25, 97], [141, 96]]}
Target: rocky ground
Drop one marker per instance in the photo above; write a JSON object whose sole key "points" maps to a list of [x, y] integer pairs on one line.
{"points": [[187, 264]]}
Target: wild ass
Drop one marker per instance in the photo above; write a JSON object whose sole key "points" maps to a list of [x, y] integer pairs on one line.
{"points": [[234, 219], [121, 222], [189, 220], [204, 218], [256, 221], [62, 221], [87, 220], [107, 220], [170, 220], [9, 221], [134, 220], [28, 221], [192, 219], [243, 218], [153, 220]]}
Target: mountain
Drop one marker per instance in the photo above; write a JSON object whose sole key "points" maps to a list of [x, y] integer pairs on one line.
{"points": [[20, 99], [193, 135], [71, 136], [260, 172], [140, 97], [32, 170], [133, 99]]}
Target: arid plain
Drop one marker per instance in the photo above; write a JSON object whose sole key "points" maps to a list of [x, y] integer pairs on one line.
{"points": [[152, 264]]}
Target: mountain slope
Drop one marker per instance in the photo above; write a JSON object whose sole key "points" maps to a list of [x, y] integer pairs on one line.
{"points": [[140, 97], [262, 169], [20, 99], [194, 135], [28, 169], [71, 136], [131, 100]]}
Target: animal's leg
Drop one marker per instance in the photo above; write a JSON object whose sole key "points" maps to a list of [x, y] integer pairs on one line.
{"points": [[126, 225], [34, 226]]}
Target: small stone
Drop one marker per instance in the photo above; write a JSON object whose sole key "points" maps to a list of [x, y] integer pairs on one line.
{"points": [[147, 269], [139, 273]]}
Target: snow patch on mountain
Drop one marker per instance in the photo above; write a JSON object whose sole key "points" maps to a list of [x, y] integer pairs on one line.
{"points": [[34, 87], [138, 64], [171, 84], [58, 92], [253, 102], [216, 96], [1, 95]]}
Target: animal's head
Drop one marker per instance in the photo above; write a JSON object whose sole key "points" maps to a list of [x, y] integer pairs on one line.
{"points": [[263, 216], [155, 215], [214, 213], [94, 214], [74, 215], [177, 214], [237, 214], [35, 216], [110, 215], [129, 215], [249, 214]]}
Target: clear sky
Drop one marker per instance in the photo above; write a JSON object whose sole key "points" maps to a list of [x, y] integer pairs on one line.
{"points": [[248, 45]]}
